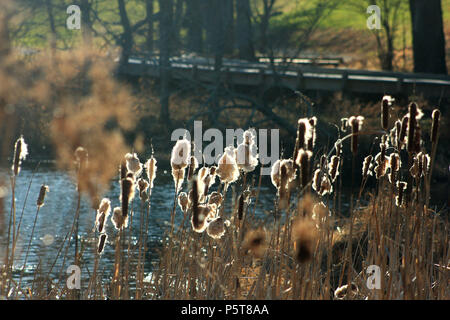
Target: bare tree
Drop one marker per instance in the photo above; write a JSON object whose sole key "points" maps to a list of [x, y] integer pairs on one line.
{"points": [[165, 27], [194, 25]]}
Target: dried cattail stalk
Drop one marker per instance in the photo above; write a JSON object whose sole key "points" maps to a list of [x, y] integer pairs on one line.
{"points": [[150, 165], [42, 193], [102, 214], [435, 125], [356, 124], [367, 166], [255, 243], [333, 168], [20, 153], [101, 242], [386, 102], [304, 236], [424, 163]]}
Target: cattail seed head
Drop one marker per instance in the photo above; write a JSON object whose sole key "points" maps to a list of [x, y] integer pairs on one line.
{"points": [[356, 124], [302, 162], [312, 136], [193, 164], [133, 164], [143, 186], [118, 219], [367, 166], [216, 228], [215, 198], [344, 291], [403, 131], [412, 124], [183, 201], [435, 125], [127, 194], [344, 124], [102, 214], [333, 167], [101, 242], [394, 165], [399, 199], [20, 153], [150, 166], [42, 193], [386, 102], [181, 153], [227, 168]]}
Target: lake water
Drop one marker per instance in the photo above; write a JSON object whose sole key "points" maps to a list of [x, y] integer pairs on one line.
{"points": [[55, 220]]}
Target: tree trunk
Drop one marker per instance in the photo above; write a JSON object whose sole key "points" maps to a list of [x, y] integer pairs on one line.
{"points": [[244, 30], [86, 25], [51, 20], [195, 29], [428, 36], [228, 25], [149, 17], [176, 41], [165, 26], [127, 35]]}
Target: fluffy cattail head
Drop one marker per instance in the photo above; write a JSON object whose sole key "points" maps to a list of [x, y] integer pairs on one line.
{"points": [[275, 174], [333, 167], [143, 186], [200, 214], [403, 131], [412, 124], [227, 168], [399, 199], [367, 166], [215, 198], [216, 228], [42, 193], [178, 178], [394, 165], [183, 201], [133, 164], [181, 153], [386, 102], [102, 214], [344, 124], [20, 153], [312, 136], [118, 220], [344, 291], [304, 236], [150, 165], [435, 125]]}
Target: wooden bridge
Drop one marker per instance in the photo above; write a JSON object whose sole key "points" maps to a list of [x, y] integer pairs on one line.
{"points": [[295, 75]]}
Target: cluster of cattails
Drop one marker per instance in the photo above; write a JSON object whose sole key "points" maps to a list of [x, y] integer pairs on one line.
{"points": [[355, 123], [246, 152], [20, 153], [42, 193], [103, 213], [179, 160]]}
